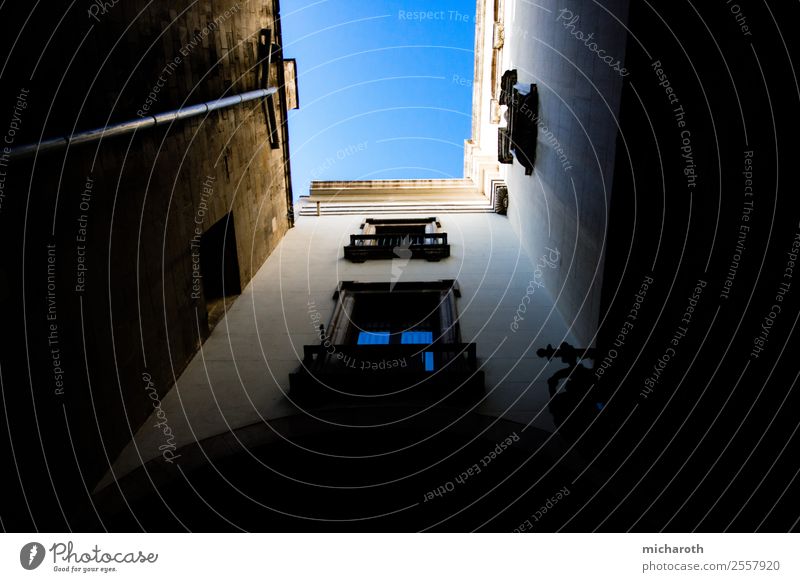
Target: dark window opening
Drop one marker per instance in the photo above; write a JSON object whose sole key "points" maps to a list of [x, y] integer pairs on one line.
{"points": [[219, 266], [392, 319], [398, 341], [394, 314]]}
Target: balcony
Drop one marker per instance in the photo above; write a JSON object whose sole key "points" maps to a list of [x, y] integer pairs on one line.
{"points": [[398, 238], [428, 246], [388, 374]]}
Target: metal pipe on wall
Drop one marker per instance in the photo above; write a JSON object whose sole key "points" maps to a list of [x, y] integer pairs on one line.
{"points": [[147, 122]]}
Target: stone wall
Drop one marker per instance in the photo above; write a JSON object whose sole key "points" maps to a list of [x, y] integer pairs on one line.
{"points": [[108, 227], [565, 203]]}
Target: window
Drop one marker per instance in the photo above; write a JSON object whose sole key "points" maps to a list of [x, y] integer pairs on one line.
{"points": [[403, 238], [383, 339], [219, 267], [414, 314], [398, 318]]}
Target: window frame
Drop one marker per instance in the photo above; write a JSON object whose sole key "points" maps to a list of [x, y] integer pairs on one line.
{"points": [[339, 370], [340, 328]]}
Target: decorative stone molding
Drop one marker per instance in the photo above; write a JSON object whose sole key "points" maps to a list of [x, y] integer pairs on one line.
{"points": [[500, 197], [395, 197], [499, 35]]}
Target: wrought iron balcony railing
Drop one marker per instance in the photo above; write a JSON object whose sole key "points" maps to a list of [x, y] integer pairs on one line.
{"points": [[396, 372], [429, 246]]}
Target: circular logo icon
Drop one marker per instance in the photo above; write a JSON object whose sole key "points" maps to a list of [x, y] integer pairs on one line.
{"points": [[31, 555]]}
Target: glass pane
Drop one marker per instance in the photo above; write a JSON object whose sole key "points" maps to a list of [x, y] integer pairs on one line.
{"points": [[373, 338], [428, 361], [416, 337], [420, 337]]}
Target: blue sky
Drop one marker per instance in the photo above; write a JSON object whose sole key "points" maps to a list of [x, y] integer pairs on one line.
{"points": [[385, 88]]}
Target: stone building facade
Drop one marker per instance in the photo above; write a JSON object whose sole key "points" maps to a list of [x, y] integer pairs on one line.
{"points": [[132, 243]]}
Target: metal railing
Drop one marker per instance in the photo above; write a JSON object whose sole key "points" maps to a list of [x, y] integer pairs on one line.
{"points": [[130, 126], [339, 359], [398, 239]]}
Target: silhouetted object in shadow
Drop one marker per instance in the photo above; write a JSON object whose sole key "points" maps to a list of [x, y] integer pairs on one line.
{"points": [[572, 408], [570, 356]]}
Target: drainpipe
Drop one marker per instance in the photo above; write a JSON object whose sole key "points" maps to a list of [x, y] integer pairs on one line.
{"points": [[147, 122]]}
